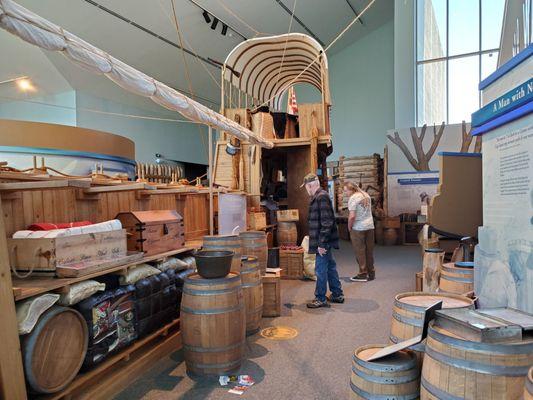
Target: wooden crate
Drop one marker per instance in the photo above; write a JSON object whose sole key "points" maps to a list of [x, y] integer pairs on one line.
{"points": [[44, 255], [288, 215], [256, 220], [391, 222], [153, 232], [271, 294], [291, 263]]}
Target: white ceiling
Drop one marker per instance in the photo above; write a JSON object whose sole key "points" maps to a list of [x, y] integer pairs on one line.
{"points": [[325, 18]]}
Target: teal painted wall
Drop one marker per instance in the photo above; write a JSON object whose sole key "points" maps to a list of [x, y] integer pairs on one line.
{"points": [[174, 140], [362, 90]]}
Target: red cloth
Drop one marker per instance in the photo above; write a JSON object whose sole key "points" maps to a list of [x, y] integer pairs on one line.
{"points": [[48, 226]]}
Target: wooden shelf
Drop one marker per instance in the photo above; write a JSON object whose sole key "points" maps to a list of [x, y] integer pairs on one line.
{"points": [[32, 286], [305, 141], [118, 371]]}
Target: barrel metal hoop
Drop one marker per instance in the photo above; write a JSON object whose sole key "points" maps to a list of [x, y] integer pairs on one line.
{"points": [[202, 282], [371, 396], [461, 271], [407, 320], [416, 347], [493, 348], [395, 380], [216, 366], [249, 285], [409, 307], [457, 279], [209, 292], [436, 392], [499, 370], [211, 311], [385, 368], [249, 270], [212, 349]]}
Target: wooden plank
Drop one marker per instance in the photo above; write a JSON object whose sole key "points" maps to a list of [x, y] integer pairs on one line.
{"points": [[86, 268], [118, 188], [33, 286], [45, 185], [12, 384]]}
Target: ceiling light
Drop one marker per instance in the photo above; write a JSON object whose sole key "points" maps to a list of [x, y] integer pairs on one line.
{"points": [[25, 85], [224, 29], [206, 17], [214, 24]]}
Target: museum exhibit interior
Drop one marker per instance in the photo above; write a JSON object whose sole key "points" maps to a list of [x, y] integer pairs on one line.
{"points": [[266, 199]]}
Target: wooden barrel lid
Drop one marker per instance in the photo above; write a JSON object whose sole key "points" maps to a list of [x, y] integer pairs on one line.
{"points": [[424, 300], [401, 360], [252, 234], [220, 237], [197, 279]]}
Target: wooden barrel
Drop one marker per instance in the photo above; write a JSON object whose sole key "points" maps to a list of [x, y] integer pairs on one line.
{"points": [[54, 350], [213, 324], [379, 233], [287, 233], [254, 244], [408, 313], [528, 387], [390, 237], [226, 242], [252, 292], [393, 377], [455, 368], [432, 265], [455, 278]]}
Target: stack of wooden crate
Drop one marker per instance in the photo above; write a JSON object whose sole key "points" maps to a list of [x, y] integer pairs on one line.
{"points": [[365, 171], [291, 262]]}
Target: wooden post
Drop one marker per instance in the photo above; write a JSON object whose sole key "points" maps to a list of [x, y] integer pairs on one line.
{"points": [[211, 214], [12, 384]]}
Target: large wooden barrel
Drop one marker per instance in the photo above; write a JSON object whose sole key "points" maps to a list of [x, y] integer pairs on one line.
{"points": [[409, 308], [254, 244], [253, 293], [390, 237], [226, 242], [393, 377], [213, 324], [455, 278], [528, 387], [432, 265], [455, 368], [54, 350], [287, 233]]}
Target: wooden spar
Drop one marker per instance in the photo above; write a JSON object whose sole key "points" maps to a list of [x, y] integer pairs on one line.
{"points": [[211, 214]]}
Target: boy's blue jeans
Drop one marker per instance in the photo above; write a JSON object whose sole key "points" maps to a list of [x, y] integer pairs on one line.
{"points": [[326, 272]]}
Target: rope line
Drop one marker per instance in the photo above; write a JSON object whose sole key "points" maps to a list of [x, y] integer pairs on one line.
{"points": [[286, 41]]}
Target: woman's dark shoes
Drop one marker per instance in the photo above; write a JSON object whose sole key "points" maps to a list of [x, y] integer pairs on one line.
{"points": [[338, 299], [360, 278], [317, 304]]}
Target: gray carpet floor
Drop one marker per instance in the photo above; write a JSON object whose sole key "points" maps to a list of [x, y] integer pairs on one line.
{"points": [[316, 363]]}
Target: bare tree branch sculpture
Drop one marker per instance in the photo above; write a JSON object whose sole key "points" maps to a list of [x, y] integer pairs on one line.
{"points": [[421, 163], [467, 138]]}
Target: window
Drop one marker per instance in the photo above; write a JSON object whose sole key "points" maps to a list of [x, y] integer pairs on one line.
{"points": [[457, 44]]}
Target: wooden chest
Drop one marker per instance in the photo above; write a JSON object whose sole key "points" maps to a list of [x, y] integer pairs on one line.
{"points": [[271, 294], [291, 263], [153, 232], [45, 255]]}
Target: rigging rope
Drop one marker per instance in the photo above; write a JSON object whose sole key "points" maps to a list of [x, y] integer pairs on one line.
{"points": [[286, 42]]}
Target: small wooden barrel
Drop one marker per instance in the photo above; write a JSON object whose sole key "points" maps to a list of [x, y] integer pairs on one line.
{"points": [[253, 293], [455, 278], [390, 237], [455, 368], [393, 377], [54, 350], [432, 265], [419, 279], [213, 324], [528, 387], [226, 242], [287, 233], [254, 244], [409, 308]]}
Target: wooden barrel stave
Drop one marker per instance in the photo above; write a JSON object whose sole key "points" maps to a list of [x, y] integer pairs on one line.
{"points": [[53, 352], [225, 242], [213, 324], [287, 233], [253, 293], [458, 368], [254, 244], [396, 376], [528, 387]]}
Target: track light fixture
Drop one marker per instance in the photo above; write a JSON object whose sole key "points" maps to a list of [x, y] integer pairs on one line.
{"points": [[224, 29], [215, 23], [206, 17]]}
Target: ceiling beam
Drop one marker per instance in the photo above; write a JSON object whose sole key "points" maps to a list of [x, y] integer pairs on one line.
{"points": [[152, 33], [355, 12], [215, 16], [300, 22]]}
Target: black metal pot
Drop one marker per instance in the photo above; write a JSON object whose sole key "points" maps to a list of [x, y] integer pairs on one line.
{"points": [[213, 264]]}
